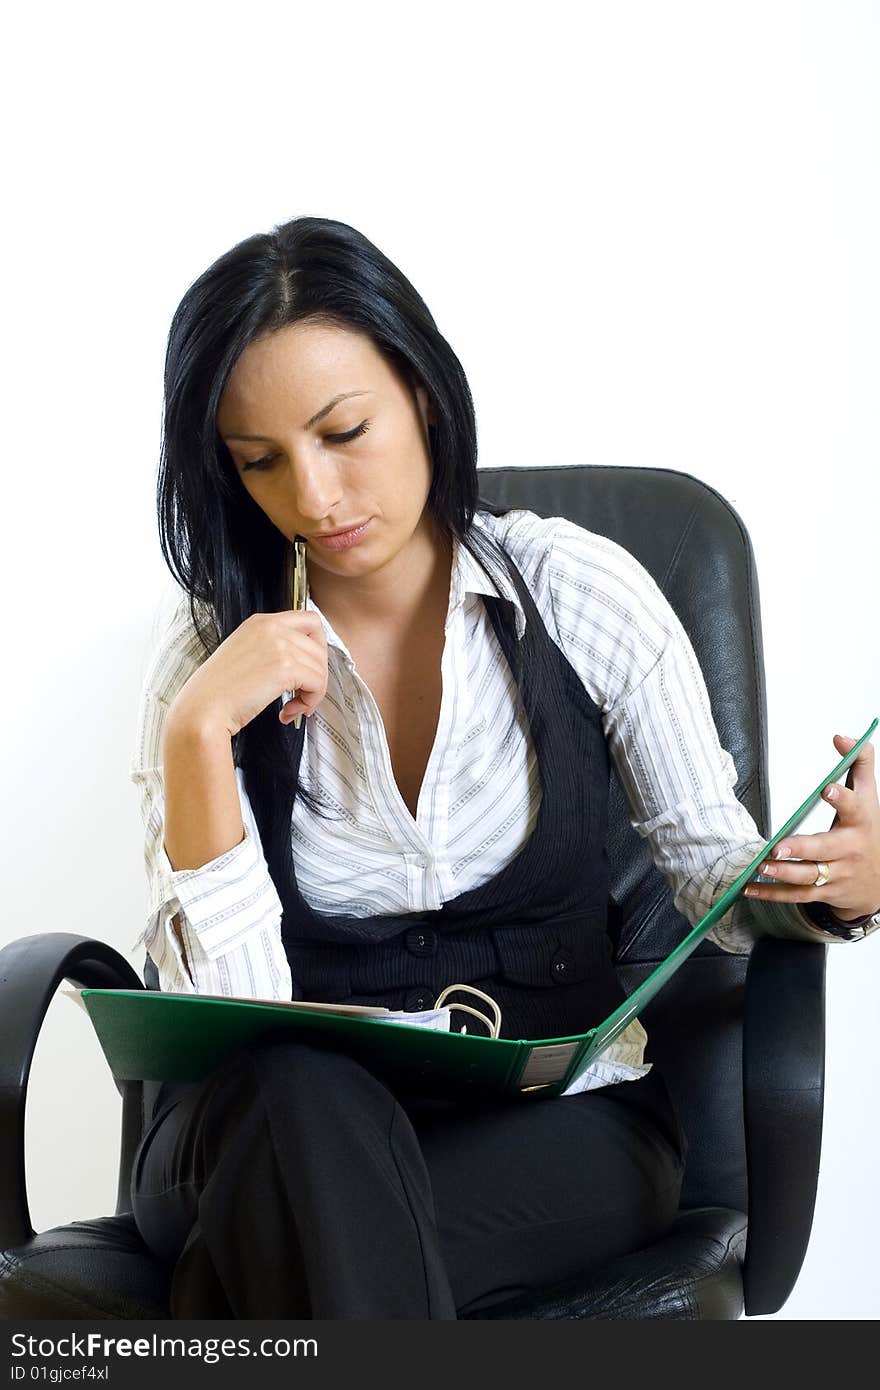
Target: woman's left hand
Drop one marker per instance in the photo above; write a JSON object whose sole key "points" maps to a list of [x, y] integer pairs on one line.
{"points": [[850, 849]]}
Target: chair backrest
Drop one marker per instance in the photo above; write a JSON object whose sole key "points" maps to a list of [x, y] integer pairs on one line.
{"points": [[697, 550]]}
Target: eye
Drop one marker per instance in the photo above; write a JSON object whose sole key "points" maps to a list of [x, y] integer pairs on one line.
{"points": [[262, 464], [352, 434]]}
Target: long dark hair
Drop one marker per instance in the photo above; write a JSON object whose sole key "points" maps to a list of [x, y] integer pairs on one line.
{"points": [[220, 546]]}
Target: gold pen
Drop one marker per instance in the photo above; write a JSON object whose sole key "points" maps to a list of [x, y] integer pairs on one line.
{"points": [[300, 587]]}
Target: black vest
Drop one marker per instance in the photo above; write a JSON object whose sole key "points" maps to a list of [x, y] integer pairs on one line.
{"points": [[535, 935]]}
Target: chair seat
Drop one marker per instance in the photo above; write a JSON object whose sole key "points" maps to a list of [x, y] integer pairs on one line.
{"points": [[89, 1269], [694, 1272], [79, 1271]]}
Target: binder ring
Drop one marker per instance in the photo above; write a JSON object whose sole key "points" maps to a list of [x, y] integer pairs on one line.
{"points": [[494, 1028]]}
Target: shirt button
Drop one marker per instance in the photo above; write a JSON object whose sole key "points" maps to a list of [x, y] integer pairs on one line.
{"points": [[421, 862]]}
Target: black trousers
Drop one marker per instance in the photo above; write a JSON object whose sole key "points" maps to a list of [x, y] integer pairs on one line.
{"points": [[293, 1182]]}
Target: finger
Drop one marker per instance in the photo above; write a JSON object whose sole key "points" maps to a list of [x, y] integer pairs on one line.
{"points": [[827, 845], [830, 892], [310, 675], [304, 702], [861, 776], [803, 872], [304, 621], [848, 804]]}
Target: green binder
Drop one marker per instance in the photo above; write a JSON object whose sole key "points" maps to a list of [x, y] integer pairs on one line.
{"points": [[146, 1034]]}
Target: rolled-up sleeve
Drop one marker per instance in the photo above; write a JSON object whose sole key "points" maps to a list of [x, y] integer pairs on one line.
{"points": [[229, 909]]}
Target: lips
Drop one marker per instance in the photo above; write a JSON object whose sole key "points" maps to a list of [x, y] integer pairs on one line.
{"points": [[340, 531], [342, 540]]}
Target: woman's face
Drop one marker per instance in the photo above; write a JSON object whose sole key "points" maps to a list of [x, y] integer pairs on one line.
{"points": [[328, 462]]}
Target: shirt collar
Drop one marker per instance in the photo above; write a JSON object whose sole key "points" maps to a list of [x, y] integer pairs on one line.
{"points": [[469, 576]]}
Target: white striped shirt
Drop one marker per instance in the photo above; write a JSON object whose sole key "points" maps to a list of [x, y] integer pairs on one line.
{"points": [[481, 790]]}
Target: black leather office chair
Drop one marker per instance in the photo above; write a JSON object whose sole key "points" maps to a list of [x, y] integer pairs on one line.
{"points": [[739, 1039]]}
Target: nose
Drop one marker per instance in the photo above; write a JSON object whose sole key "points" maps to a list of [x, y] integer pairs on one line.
{"points": [[316, 487]]}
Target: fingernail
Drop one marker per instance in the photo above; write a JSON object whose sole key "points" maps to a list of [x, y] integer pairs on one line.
{"points": [[831, 793], [781, 852]]}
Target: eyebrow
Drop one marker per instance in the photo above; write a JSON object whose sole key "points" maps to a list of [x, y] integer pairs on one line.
{"points": [[319, 415]]}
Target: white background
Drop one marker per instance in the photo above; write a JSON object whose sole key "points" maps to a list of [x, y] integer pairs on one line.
{"points": [[650, 232]]}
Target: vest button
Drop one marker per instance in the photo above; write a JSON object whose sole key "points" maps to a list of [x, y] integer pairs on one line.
{"points": [[418, 999], [560, 966], [421, 941]]}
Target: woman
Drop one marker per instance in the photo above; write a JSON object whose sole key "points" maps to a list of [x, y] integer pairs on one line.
{"points": [[438, 816]]}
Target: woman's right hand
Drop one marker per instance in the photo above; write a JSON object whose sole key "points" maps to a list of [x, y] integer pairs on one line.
{"points": [[266, 654]]}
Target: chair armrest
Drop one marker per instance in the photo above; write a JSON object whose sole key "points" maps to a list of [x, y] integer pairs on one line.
{"points": [[783, 1095], [31, 970]]}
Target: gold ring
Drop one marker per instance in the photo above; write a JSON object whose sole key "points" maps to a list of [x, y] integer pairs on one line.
{"points": [[823, 875]]}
